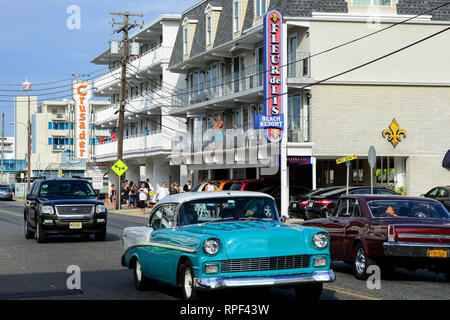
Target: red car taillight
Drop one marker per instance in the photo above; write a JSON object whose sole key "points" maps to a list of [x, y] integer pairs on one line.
{"points": [[323, 202], [303, 203], [391, 233]]}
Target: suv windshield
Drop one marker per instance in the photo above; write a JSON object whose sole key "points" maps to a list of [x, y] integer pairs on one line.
{"points": [[224, 209], [407, 208], [62, 189]]}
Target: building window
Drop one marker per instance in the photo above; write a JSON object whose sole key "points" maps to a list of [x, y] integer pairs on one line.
{"points": [[209, 30], [260, 7], [186, 41], [236, 16]]}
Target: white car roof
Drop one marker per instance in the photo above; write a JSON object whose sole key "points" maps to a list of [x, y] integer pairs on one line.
{"points": [[183, 197]]}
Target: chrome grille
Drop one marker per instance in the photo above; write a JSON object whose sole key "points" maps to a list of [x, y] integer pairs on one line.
{"points": [[75, 210], [264, 264], [78, 213]]}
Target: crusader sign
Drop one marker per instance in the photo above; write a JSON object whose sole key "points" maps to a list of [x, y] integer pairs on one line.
{"points": [[273, 73]]}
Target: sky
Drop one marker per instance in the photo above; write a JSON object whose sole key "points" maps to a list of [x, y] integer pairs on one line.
{"points": [[38, 45]]}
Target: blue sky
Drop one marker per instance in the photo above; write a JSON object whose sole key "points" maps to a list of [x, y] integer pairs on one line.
{"points": [[37, 45]]}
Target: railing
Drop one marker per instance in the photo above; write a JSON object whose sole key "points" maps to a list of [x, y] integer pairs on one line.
{"points": [[144, 60], [235, 82], [299, 65]]}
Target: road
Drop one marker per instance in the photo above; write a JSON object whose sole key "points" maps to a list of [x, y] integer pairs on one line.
{"points": [[29, 270]]}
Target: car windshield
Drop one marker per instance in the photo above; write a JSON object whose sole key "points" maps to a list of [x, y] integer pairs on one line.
{"points": [[226, 209], [407, 208], [63, 189]]}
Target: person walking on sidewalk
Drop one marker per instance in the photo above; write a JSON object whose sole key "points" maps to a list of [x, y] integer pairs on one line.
{"points": [[162, 192], [142, 200], [132, 195], [112, 194]]}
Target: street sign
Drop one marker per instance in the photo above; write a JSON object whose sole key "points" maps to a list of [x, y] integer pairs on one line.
{"points": [[372, 156], [119, 167], [345, 159]]}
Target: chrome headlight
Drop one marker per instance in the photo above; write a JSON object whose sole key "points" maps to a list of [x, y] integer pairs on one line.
{"points": [[47, 209], [320, 240], [100, 209], [211, 246]]}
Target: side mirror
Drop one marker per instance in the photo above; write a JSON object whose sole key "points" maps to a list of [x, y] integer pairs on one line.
{"points": [[101, 196], [283, 219], [422, 195], [31, 197]]}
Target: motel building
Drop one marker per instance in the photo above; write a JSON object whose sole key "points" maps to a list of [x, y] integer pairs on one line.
{"points": [[148, 129], [55, 134], [400, 104]]}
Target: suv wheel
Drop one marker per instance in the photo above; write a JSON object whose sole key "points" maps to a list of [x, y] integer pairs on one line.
{"points": [[40, 234], [28, 233]]}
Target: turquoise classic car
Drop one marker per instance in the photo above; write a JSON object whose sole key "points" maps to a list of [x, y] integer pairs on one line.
{"points": [[226, 239]]}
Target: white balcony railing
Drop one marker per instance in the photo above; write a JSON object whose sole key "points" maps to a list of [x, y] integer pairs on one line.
{"points": [[146, 60], [134, 146]]}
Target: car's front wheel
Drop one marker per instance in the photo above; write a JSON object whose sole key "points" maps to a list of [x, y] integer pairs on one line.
{"points": [[309, 291], [40, 234], [29, 234], [187, 281], [141, 282], [361, 263]]}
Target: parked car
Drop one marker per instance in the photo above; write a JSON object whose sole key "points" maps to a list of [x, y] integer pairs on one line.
{"points": [[225, 184], [63, 206], [6, 193], [249, 185], [275, 191], [321, 206], [389, 231], [441, 194], [298, 203], [226, 239], [199, 187]]}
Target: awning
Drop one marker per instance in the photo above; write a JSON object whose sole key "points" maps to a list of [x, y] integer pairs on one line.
{"points": [[446, 161]]}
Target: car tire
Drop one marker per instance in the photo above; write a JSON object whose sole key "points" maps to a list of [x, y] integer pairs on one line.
{"points": [[141, 282], [29, 234], [100, 236], [187, 277], [361, 262], [309, 291], [41, 237]]}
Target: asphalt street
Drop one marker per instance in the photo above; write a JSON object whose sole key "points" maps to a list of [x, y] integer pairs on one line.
{"points": [[29, 270]]}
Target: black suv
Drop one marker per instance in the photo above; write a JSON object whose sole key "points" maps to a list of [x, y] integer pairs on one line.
{"points": [[64, 206]]}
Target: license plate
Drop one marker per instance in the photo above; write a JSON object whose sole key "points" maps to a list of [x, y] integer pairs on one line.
{"points": [[75, 225], [294, 205], [438, 253], [310, 204]]}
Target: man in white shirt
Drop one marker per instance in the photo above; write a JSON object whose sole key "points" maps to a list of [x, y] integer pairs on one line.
{"points": [[162, 192], [143, 194]]}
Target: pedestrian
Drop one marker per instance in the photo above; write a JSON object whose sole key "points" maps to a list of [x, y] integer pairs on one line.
{"points": [[210, 186], [147, 185], [187, 187], [142, 200], [112, 194], [133, 190], [126, 193], [173, 188], [163, 191]]}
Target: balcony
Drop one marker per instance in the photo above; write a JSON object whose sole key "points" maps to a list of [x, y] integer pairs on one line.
{"points": [[134, 146], [59, 133], [146, 61], [236, 85], [59, 117]]}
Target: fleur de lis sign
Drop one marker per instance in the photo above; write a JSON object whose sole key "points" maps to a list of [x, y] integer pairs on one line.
{"points": [[275, 18], [394, 133]]}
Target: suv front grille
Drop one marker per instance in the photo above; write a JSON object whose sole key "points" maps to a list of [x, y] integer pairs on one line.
{"points": [[79, 213], [265, 264]]}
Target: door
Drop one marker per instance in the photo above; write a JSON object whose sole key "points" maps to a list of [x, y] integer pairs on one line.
{"points": [[337, 227], [354, 227], [236, 75], [32, 204]]}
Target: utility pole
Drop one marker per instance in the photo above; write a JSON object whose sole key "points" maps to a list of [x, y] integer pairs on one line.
{"points": [[126, 26], [26, 86]]}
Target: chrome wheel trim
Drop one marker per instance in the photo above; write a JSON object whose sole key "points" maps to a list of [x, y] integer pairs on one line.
{"points": [[187, 282], [360, 262], [138, 271]]}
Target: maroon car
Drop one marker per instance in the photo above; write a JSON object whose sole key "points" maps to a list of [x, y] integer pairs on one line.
{"points": [[389, 231]]}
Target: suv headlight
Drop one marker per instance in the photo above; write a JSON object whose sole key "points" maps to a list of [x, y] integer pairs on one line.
{"points": [[320, 240], [47, 210], [211, 246], [100, 209]]}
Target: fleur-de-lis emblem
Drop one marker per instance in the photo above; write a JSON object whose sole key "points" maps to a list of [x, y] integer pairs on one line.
{"points": [[394, 133], [275, 17]]}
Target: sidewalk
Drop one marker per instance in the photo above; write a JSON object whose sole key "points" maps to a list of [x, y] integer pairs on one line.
{"points": [[128, 211]]}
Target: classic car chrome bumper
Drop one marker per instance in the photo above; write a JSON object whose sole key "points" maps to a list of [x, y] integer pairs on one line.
{"points": [[273, 281], [411, 249]]}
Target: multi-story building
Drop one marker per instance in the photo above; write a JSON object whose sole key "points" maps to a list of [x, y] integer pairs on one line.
{"points": [[148, 129], [219, 51], [53, 138]]}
